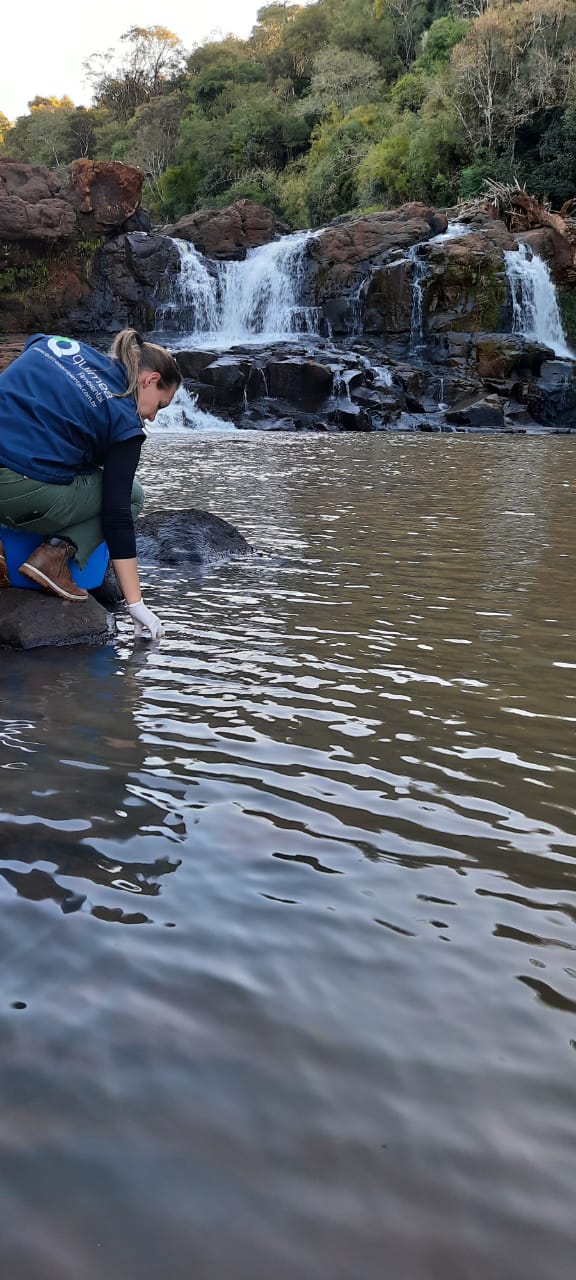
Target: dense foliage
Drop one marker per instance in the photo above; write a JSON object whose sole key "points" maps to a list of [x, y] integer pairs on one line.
{"points": [[331, 106]]}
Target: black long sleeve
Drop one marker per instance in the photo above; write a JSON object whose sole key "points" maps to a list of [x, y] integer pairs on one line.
{"points": [[117, 481]]}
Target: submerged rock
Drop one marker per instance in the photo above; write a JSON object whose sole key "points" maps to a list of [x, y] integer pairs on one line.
{"points": [[189, 536]]}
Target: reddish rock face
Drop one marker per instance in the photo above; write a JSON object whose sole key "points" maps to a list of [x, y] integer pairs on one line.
{"points": [[227, 233], [104, 194], [10, 348], [32, 206], [35, 204], [359, 239]]}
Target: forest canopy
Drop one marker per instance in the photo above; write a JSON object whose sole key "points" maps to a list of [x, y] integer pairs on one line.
{"points": [[330, 107]]}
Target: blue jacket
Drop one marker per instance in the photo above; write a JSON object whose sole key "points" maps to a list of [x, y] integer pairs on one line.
{"points": [[60, 412]]}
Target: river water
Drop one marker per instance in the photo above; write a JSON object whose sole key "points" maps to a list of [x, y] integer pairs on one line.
{"points": [[288, 929]]}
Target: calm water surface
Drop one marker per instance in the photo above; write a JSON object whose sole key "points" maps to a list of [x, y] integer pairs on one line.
{"points": [[288, 927]]}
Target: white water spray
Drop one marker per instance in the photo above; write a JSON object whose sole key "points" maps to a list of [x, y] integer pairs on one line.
{"points": [[183, 416], [535, 310]]}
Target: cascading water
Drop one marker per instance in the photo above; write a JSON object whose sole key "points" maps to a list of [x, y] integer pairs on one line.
{"points": [[258, 299], [535, 310], [183, 414], [419, 268], [419, 271], [261, 296], [193, 305]]}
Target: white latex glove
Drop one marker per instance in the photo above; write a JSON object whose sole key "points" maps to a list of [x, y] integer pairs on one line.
{"points": [[143, 617]]}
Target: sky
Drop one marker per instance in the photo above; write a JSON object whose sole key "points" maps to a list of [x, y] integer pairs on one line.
{"points": [[44, 45]]}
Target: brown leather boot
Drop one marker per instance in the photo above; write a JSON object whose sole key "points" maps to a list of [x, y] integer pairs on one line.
{"points": [[4, 579], [48, 565]]}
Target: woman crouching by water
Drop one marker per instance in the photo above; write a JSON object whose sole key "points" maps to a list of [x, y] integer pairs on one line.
{"points": [[71, 432]]}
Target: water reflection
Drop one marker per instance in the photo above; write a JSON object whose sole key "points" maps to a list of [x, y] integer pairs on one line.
{"points": [[340, 797]]}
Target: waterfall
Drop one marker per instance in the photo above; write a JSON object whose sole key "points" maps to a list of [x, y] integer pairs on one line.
{"points": [[419, 272], [257, 300], [419, 269], [193, 305], [535, 310], [453, 231]]}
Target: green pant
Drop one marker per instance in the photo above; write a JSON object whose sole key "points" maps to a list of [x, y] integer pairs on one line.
{"points": [[64, 510]]}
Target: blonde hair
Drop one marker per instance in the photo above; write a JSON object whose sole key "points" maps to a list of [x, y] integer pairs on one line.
{"points": [[135, 354]]}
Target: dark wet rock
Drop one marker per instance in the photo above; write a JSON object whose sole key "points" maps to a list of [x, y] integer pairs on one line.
{"points": [[348, 416], [487, 414], [191, 363], [189, 536], [389, 298], [551, 399], [277, 424], [32, 620], [228, 374], [298, 379]]}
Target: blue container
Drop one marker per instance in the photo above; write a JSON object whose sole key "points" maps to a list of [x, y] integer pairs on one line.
{"points": [[18, 545]]}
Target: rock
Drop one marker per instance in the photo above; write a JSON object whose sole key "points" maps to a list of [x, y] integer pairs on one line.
{"points": [[69, 289], [500, 356], [191, 363], [32, 206], [228, 233], [189, 536], [31, 620], [349, 416], [36, 204], [389, 298], [228, 374], [298, 379], [551, 398], [10, 349], [466, 288], [124, 283], [485, 414], [362, 238], [104, 194]]}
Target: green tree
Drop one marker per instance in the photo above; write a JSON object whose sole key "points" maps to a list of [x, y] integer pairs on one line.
{"points": [[154, 139], [150, 63], [342, 79]]}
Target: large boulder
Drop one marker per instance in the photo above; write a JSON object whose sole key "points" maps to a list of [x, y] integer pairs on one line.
{"points": [[43, 289], [32, 204], [228, 233], [189, 536], [38, 205], [31, 620], [298, 379], [104, 194], [345, 252]]}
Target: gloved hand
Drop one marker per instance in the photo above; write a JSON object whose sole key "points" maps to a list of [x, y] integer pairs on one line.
{"points": [[143, 617]]}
